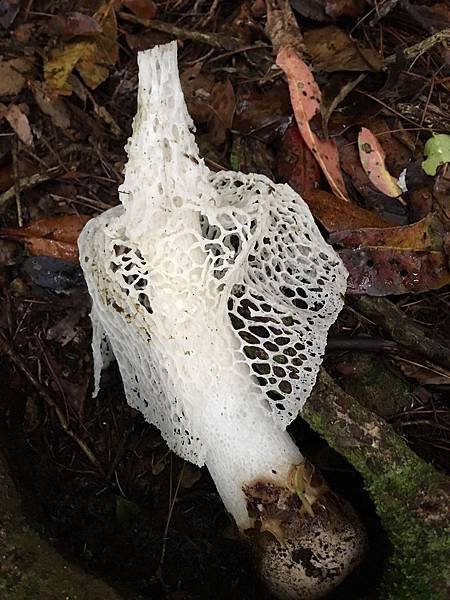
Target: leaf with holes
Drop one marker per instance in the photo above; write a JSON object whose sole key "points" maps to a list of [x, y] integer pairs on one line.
{"points": [[379, 271], [373, 161], [56, 237], [395, 260], [305, 98]]}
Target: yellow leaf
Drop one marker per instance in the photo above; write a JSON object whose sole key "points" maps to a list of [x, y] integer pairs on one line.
{"points": [[91, 57]]}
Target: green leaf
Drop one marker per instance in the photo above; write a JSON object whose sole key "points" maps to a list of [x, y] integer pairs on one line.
{"points": [[437, 151]]}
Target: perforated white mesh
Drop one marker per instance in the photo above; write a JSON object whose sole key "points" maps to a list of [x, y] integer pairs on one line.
{"points": [[215, 292]]}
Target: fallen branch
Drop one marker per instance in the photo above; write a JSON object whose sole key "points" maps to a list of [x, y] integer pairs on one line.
{"points": [[401, 328], [216, 40], [411, 498], [422, 46]]}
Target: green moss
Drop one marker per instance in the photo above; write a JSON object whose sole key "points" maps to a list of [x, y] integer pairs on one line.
{"points": [[409, 495]]}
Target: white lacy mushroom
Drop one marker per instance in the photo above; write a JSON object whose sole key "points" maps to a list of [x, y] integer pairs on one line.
{"points": [[215, 293]]}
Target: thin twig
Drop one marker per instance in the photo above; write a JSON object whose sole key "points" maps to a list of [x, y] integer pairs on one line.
{"points": [[217, 40], [16, 184], [25, 183], [422, 46], [7, 350]]}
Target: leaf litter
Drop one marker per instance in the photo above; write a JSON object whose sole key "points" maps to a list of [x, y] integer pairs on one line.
{"points": [[76, 91]]}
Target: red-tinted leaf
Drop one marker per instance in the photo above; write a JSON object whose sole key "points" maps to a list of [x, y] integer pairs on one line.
{"points": [[305, 98], [373, 161], [336, 214], [145, 9], [296, 163], [55, 237], [379, 271]]}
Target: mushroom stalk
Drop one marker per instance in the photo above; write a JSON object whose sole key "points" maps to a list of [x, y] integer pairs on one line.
{"points": [[215, 293]]}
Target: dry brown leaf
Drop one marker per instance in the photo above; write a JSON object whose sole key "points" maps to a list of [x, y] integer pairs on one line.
{"points": [[336, 214], [424, 374], [209, 102], [56, 236], [91, 57], [305, 98], [74, 24], [19, 122], [13, 75], [51, 105], [331, 49], [145, 9]]}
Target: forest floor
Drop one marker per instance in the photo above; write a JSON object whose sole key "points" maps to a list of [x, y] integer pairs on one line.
{"points": [[93, 474]]}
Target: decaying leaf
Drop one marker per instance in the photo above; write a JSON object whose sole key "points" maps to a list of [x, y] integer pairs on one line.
{"points": [[424, 373], [8, 12], [13, 75], [305, 98], [51, 105], [336, 214], [296, 163], [19, 122], [265, 114], [56, 237], [74, 24], [426, 234], [327, 10], [378, 271], [145, 9], [92, 57], [209, 102], [331, 49], [395, 260], [437, 151], [372, 159]]}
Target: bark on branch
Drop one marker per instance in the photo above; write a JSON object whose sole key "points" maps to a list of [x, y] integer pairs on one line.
{"points": [[412, 499]]}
